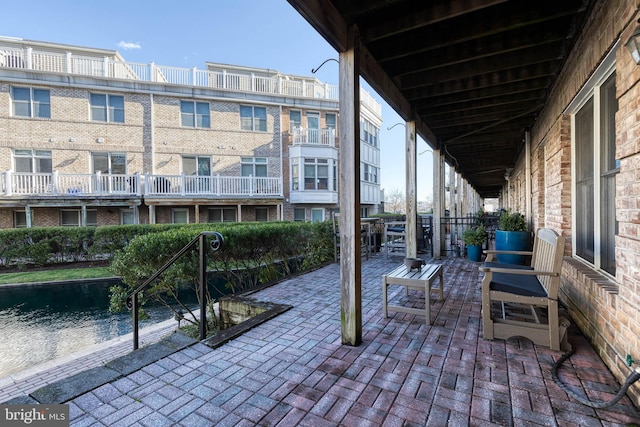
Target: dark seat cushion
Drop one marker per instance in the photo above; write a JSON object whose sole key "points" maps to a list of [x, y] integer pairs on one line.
{"points": [[518, 284], [505, 265]]}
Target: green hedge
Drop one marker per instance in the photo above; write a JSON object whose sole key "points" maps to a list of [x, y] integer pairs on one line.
{"points": [[42, 246], [249, 253], [46, 246], [253, 254]]}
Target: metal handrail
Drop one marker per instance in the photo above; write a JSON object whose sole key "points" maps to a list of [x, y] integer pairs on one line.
{"points": [[132, 299]]}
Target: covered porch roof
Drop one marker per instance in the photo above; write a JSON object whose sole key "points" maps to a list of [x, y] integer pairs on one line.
{"points": [[473, 74]]}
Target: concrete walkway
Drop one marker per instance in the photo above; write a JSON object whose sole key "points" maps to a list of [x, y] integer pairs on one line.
{"points": [[293, 369]]}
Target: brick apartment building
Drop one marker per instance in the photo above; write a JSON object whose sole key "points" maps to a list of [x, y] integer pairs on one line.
{"points": [[87, 138]]}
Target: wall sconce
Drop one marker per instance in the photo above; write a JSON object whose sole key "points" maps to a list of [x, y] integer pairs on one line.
{"points": [[633, 45], [72, 140], [391, 127], [52, 140], [315, 70], [100, 140]]}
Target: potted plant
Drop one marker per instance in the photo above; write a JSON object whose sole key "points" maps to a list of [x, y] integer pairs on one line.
{"points": [[512, 235], [474, 238]]}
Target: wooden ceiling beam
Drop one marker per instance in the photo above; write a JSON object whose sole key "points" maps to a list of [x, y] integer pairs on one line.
{"points": [[510, 16], [424, 13], [511, 43], [533, 57], [478, 106]]}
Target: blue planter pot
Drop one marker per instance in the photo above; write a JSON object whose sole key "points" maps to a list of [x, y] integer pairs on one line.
{"points": [[474, 252], [513, 241]]}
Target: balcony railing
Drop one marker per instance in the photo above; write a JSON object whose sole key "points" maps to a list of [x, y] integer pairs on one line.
{"points": [[56, 184], [218, 186], [314, 136], [68, 63]]}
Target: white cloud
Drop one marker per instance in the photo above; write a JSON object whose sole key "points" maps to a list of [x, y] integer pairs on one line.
{"points": [[128, 45]]}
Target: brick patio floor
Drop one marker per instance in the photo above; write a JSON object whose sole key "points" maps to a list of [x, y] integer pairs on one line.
{"points": [[293, 369]]}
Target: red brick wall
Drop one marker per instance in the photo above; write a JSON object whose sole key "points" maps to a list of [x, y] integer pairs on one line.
{"points": [[606, 309]]}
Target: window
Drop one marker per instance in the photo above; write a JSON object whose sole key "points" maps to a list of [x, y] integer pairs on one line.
{"points": [[196, 165], [180, 216], [73, 217], [222, 215], [198, 173], [70, 218], [316, 174], [295, 119], [113, 169], [92, 217], [20, 219], [127, 216], [313, 127], [262, 214], [32, 161], [317, 215], [331, 120], [107, 108], [195, 114], [299, 214], [254, 166], [369, 133], [30, 102], [595, 171], [295, 174], [253, 118], [109, 163], [370, 173]]}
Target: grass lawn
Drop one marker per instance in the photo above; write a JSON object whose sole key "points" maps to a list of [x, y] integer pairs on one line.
{"points": [[58, 274]]}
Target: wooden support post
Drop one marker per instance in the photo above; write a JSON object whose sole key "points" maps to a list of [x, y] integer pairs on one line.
{"points": [[411, 230], [349, 194], [438, 203]]}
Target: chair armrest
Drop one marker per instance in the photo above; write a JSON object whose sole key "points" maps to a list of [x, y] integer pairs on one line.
{"points": [[495, 252], [517, 271], [491, 253]]}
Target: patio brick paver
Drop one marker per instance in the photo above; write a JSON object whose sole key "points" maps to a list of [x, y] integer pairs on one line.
{"points": [[293, 369]]}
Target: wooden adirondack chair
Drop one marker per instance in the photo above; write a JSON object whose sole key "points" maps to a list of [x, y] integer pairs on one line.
{"points": [[520, 291]]}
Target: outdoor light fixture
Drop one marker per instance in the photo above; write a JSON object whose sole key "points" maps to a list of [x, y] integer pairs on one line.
{"points": [[633, 45], [315, 70], [391, 127]]}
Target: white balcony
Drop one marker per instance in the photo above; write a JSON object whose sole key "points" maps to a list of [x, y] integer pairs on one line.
{"points": [[325, 197], [212, 186], [56, 184], [71, 63], [326, 137], [95, 185]]}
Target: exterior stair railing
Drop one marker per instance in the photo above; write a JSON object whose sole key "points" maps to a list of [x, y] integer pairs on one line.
{"points": [[217, 242]]}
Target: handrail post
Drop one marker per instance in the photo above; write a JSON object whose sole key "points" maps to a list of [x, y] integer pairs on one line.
{"points": [[216, 244], [203, 287], [135, 321]]}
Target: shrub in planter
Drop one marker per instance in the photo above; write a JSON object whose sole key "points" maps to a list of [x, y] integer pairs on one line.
{"points": [[512, 235], [474, 238]]}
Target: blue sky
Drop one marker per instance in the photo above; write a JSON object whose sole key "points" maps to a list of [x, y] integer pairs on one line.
{"points": [[258, 33]]}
